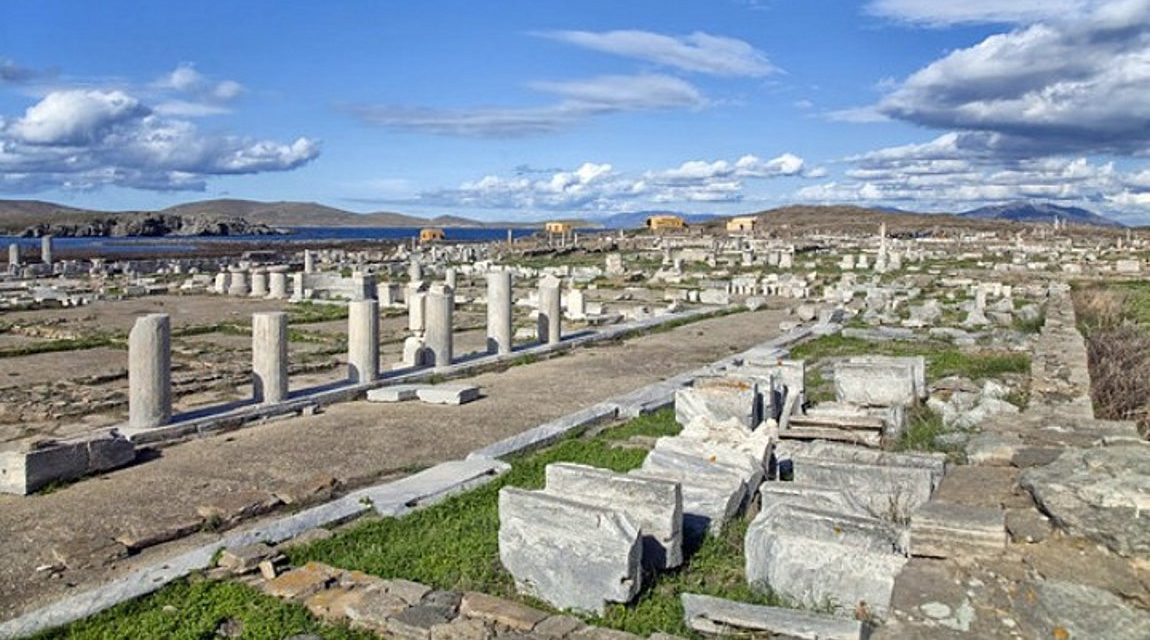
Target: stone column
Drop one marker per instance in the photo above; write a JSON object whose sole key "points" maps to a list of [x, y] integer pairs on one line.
{"points": [[277, 281], [223, 279], [46, 249], [550, 310], [308, 261], [150, 371], [297, 286], [440, 306], [415, 271], [576, 304], [388, 294], [13, 255], [259, 283], [449, 277], [416, 308], [239, 283], [363, 340], [499, 312], [269, 357], [363, 286]]}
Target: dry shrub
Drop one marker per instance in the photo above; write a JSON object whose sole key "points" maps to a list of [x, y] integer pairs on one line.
{"points": [[1119, 355]]}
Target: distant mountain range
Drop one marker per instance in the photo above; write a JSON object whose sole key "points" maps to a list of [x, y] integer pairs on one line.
{"points": [[1024, 211]]}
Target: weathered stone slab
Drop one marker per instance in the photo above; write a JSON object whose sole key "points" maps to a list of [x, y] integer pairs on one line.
{"points": [[509, 614], [916, 363], [875, 384], [947, 529], [752, 469], [373, 609], [719, 400], [547, 433], [1101, 493], [453, 394], [1058, 609], [820, 557], [394, 393], [758, 444], [430, 485], [717, 616], [569, 554], [656, 506], [30, 468], [712, 493]]}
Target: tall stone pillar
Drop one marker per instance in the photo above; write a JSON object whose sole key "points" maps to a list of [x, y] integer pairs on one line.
{"points": [[297, 283], [46, 249], [150, 371], [13, 255], [440, 307], [415, 271], [499, 312], [449, 277], [550, 310], [269, 357], [416, 307], [363, 340], [308, 261]]}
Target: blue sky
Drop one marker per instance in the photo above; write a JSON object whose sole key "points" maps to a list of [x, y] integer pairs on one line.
{"points": [[534, 109]]}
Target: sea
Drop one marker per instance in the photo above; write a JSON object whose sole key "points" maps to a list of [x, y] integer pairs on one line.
{"points": [[295, 235]]}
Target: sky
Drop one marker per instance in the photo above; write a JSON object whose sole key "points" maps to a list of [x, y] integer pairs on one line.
{"points": [[536, 109]]}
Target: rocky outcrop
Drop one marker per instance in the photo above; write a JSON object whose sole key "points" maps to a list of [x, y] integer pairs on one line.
{"points": [[152, 225]]}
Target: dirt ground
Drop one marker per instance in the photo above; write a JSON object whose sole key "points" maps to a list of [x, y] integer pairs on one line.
{"points": [[353, 442]]}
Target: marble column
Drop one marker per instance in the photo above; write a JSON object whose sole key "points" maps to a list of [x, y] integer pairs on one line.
{"points": [[550, 310], [277, 284], [363, 340], [238, 286], [269, 357], [308, 261], [259, 283], [13, 255], [438, 319], [150, 371], [499, 312], [46, 249]]}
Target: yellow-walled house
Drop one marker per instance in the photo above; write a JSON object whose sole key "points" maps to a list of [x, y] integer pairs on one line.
{"points": [[432, 235], [665, 222]]}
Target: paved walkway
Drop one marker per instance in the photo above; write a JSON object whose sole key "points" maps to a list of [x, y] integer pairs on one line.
{"points": [[356, 443]]}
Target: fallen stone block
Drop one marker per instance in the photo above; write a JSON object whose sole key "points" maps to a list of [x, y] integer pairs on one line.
{"points": [[752, 470], [300, 583], [818, 558], [917, 365], [452, 394], [874, 384], [716, 616], [37, 464], [109, 450], [946, 529], [395, 393], [1059, 609], [712, 493], [568, 554], [245, 559], [656, 506], [719, 400]]}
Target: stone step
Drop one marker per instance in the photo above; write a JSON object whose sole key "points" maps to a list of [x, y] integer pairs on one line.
{"points": [[945, 529]]}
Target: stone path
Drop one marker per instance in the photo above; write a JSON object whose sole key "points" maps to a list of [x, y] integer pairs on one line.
{"points": [[71, 534], [1078, 561]]}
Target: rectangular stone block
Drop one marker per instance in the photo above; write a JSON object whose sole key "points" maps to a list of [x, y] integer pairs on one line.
{"points": [[394, 393], [712, 493], [25, 471], [108, 451], [875, 384], [453, 394], [656, 506], [818, 557], [916, 363], [719, 400], [569, 554]]}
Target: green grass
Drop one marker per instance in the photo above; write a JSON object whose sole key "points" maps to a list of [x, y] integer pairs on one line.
{"points": [[454, 545], [310, 312], [66, 344], [194, 610], [942, 359]]}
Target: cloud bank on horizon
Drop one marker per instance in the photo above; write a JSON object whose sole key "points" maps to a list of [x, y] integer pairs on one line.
{"points": [[725, 110]]}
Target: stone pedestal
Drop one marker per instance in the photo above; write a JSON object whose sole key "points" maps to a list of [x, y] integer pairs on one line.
{"points": [[150, 371], [440, 306], [259, 284], [277, 281], [269, 357], [499, 312], [550, 311], [363, 340], [238, 285], [576, 304]]}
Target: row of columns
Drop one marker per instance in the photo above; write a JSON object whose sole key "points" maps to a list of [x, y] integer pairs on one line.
{"points": [[149, 344], [45, 252]]}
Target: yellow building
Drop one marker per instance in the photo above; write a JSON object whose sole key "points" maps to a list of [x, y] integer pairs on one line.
{"points": [[431, 235], [741, 224], [557, 228], [665, 222]]}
